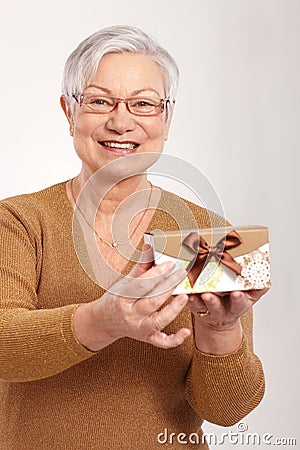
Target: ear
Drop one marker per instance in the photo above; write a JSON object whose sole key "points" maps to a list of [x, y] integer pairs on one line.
{"points": [[169, 120], [68, 113]]}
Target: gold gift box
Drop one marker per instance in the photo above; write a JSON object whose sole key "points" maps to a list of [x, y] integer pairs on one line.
{"points": [[216, 259]]}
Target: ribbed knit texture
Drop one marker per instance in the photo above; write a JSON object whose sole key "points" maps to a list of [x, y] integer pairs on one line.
{"points": [[54, 393]]}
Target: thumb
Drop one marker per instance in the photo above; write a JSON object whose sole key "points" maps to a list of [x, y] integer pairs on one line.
{"points": [[145, 262]]}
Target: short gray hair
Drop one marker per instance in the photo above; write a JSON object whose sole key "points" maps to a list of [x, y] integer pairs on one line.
{"points": [[83, 62]]}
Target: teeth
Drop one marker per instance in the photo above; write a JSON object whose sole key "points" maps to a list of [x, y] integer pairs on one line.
{"points": [[118, 145]]}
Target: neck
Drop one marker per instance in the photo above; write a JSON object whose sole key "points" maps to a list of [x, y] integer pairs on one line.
{"points": [[107, 196]]}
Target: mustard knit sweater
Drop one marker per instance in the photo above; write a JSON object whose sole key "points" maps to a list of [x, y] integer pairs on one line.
{"points": [[55, 394]]}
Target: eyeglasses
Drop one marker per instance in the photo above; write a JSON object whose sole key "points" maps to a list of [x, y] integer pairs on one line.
{"points": [[139, 106]]}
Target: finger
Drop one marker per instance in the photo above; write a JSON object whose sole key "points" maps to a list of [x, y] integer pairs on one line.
{"points": [[239, 303], [194, 297], [256, 294], [160, 319], [213, 303], [196, 303], [159, 294], [145, 262], [135, 288], [163, 340], [223, 299], [168, 283], [234, 304]]}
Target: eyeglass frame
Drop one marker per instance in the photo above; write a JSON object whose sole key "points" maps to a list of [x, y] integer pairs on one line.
{"points": [[164, 103]]}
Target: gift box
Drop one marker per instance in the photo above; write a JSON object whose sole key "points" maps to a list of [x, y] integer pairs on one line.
{"points": [[216, 259]]}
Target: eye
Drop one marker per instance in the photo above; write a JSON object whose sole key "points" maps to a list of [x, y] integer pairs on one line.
{"points": [[100, 101], [143, 103], [143, 106]]}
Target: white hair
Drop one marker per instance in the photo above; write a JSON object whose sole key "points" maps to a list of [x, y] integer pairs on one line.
{"points": [[83, 62]]}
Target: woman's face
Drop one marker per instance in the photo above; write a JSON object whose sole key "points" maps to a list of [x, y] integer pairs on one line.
{"points": [[102, 138]]}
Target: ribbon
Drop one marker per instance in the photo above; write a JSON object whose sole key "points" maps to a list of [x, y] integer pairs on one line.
{"points": [[206, 252]]}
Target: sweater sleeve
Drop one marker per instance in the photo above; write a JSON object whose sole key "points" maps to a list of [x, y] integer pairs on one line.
{"points": [[224, 389], [34, 343]]}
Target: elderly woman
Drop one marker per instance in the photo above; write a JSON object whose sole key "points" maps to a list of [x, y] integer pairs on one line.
{"points": [[95, 351]]}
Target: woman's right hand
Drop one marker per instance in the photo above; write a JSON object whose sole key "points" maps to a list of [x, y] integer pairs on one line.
{"points": [[135, 308]]}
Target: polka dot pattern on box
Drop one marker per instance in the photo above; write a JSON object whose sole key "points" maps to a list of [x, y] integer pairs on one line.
{"points": [[255, 270]]}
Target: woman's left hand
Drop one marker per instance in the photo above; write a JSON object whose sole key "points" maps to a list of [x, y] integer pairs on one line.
{"points": [[217, 325], [222, 310]]}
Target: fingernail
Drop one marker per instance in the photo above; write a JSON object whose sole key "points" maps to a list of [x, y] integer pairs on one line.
{"points": [[183, 298]]}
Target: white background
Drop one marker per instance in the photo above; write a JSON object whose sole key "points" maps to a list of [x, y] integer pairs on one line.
{"points": [[237, 120]]}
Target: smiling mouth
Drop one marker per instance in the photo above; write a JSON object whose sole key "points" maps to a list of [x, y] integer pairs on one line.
{"points": [[123, 146]]}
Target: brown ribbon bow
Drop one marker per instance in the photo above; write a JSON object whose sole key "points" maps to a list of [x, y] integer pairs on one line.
{"points": [[205, 252]]}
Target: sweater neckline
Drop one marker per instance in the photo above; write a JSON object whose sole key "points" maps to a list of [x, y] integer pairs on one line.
{"points": [[155, 218]]}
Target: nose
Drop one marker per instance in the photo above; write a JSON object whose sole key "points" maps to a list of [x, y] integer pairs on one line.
{"points": [[121, 120]]}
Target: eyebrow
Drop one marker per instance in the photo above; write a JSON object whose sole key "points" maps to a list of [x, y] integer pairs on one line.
{"points": [[138, 91]]}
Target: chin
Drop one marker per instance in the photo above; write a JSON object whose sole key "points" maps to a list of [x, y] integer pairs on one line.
{"points": [[125, 166]]}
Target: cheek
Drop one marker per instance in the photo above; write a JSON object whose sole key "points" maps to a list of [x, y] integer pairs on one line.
{"points": [[157, 131], [83, 136], [85, 124], [82, 127]]}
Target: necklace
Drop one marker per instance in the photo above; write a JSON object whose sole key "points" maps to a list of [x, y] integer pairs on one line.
{"points": [[114, 245]]}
